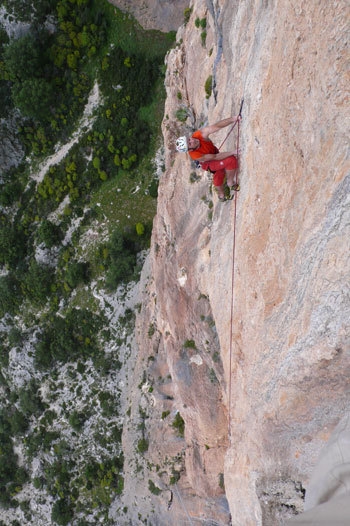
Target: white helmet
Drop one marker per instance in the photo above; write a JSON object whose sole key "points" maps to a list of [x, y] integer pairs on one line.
{"points": [[181, 144]]}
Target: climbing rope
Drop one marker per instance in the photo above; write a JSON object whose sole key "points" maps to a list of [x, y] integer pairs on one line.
{"points": [[236, 123], [233, 126], [233, 271], [182, 504]]}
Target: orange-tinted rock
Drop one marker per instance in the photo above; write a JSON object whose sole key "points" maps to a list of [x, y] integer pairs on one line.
{"points": [[260, 407]]}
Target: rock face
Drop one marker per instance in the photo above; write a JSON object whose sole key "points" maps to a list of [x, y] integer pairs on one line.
{"points": [[155, 14], [11, 151], [258, 369]]}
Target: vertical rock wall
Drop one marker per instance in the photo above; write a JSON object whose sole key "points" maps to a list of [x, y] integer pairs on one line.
{"points": [[260, 376]]}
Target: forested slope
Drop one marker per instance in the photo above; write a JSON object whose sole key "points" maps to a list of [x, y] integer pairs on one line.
{"points": [[81, 86]]}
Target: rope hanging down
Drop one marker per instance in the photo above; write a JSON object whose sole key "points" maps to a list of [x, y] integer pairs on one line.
{"points": [[233, 270], [234, 124]]}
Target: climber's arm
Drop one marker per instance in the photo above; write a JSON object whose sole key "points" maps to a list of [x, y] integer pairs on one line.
{"points": [[208, 130]]}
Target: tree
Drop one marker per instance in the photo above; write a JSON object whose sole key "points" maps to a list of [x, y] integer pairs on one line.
{"points": [[68, 338], [122, 260], [30, 401], [23, 58], [9, 294], [37, 282], [62, 512], [140, 229], [49, 233], [78, 272], [11, 191], [12, 245], [19, 422], [34, 97], [76, 420]]}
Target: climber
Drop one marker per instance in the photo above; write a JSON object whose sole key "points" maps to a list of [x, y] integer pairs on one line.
{"points": [[201, 149]]}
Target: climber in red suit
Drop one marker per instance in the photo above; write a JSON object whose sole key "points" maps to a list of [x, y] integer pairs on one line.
{"points": [[221, 164]]}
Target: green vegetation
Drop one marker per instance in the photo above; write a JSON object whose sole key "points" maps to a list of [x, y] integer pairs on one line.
{"points": [[190, 344], [179, 425], [153, 488], [151, 330], [142, 445], [208, 86], [69, 237], [187, 14], [69, 337], [181, 114], [201, 23]]}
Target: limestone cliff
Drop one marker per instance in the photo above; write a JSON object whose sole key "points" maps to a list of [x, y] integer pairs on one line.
{"points": [[258, 371]]}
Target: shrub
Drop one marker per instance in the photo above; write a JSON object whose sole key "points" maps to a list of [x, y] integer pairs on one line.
{"points": [[153, 488], [12, 477], [212, 377], [37, 282], [201, 22], [10, 192], [140, 229], [12, 245], [151, 330], [62, 512], [194, 177], [187, 14], [19, 422], [77, 272], [142, 445], [179, 424], [9, 294], [68, 338], [15, 336], [122, 261], [208, 86], [49, 233], [175, 477], [29, 400], [76, 420], [181, 114], [153, 188]]}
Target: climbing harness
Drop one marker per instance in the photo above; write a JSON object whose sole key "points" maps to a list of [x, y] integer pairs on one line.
{"points": [[233, 272]]}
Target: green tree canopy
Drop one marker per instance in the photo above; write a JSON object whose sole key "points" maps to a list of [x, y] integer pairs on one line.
{"points": [[49, 233], [122, 255], [24, 58], [12, 244], [9, 294], [37, 282], [34, 97]]}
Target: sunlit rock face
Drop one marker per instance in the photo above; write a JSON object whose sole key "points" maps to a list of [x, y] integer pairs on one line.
{"points": [[257, 369]]}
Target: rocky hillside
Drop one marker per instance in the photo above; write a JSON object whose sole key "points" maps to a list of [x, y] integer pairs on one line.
{"points": [[155, 14], [236, 387]]}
